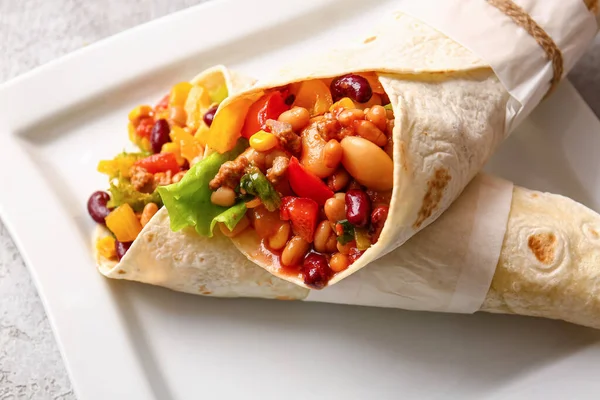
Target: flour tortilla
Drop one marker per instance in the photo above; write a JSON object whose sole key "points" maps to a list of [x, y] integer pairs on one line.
{"points": [[549, 264], [450, 113]]}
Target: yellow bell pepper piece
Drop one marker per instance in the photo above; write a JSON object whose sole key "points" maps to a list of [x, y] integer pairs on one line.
{"points": [[179, 93], [197, 103], [106, 247], [173, 147], [118, 166], [314, 95], [344, 102], [226, 127], [123, 222], [202, 134], [139, 112], [263, 141], [190, 148]]}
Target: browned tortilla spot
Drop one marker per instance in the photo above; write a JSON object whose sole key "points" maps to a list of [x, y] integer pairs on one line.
{"points": [[542, 246], [149, 237], [403, 161], [535, 195], [370, 39], [435, 191], [121, 272], [594, 233]]}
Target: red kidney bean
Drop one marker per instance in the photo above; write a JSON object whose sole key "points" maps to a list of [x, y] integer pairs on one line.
{"points": [[160, 135], [378, 217], [96, 206], [210, 115], [121, 248], [358, 207], [316, 270], [354, 86], [354, 254]]}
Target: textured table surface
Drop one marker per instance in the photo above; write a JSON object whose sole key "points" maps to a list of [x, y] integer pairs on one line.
{"points": [[33, 32]]}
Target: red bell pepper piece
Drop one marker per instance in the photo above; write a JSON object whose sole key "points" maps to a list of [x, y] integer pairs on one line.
{"points": [[303, 213], [144, 128], [305, 184], [270, 106], [161, 162]]}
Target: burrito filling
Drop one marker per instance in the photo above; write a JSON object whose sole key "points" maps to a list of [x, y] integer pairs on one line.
{"points": [[311, 175], [168, 141]]}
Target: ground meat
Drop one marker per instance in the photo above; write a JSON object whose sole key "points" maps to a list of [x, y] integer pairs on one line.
{"points": [[230, 173], [142, 180], [287, 138], [278, 170], [163, 178], [145, 182]]}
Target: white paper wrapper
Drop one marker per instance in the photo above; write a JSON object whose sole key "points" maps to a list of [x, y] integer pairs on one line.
{"points": [[514, 55], [446, 267]]}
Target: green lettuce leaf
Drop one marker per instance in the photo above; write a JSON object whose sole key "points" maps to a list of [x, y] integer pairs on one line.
{"points": [[188, 201], [230, 217], [122, 191]]}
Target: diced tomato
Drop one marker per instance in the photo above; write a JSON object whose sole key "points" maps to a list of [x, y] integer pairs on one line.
{"points": [[270, 106], [303, 214], [161, 162], [144, 128], [306, 184]]}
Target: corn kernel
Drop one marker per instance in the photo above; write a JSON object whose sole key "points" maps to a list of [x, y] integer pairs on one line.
{"points": [[345, 102], [106, 247], [172, 147], [263, 141], [123, 222], [179, 93], [139, 112]]}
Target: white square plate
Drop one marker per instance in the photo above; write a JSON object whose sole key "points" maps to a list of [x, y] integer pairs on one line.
{"points": [[123, 340]]}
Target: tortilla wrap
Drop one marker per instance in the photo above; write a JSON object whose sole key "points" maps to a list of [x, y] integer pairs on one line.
{"points": [[450, 116], [549, 264]]}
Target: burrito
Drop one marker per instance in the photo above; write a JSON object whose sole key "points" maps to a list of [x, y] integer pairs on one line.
{"points": [[166, 145], [332, 164], [548, 265], [341, 158]]}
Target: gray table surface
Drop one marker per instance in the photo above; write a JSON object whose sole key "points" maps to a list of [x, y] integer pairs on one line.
{"points": [[33, 32]]}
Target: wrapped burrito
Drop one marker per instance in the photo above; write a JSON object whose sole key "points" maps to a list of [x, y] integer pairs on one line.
{"points": [[342, 157], [548, 266], [334, 164]]}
